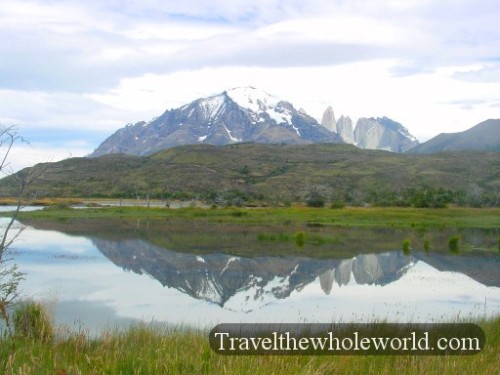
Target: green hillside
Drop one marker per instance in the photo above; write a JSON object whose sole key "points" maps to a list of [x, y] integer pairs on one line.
{"points": [[276, 174]]}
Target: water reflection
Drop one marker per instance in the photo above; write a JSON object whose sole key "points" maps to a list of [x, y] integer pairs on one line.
{"points": [[219, 277], [130, 277]]}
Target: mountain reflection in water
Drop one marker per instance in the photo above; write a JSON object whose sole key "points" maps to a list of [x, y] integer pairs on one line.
{"points": [[218, 277], [197, 288]]}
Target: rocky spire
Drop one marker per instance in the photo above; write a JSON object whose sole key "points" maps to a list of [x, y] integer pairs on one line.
{"points": [[345, 129], [328, 120]]}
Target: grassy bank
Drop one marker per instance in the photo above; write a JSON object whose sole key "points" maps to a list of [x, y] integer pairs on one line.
{"points": [[142, 350], [13, 201], [353, 216]]}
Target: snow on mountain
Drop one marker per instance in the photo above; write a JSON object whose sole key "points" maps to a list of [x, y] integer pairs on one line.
{"points": [[243, 114], [252, 99], [256, 294], [211, 107], [259, 102], [247, 114]]}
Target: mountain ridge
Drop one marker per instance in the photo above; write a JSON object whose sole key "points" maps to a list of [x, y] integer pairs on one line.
{"points": [[483, 136], [234, 116], [245, 114]]}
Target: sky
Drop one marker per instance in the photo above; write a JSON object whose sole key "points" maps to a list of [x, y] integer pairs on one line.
{"points": [[72, 72]]}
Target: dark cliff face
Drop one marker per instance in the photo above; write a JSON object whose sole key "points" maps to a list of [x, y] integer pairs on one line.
{"points": [[240, 115]]}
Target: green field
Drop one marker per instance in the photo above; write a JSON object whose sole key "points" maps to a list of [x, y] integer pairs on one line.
{"points": [[375, 216]]}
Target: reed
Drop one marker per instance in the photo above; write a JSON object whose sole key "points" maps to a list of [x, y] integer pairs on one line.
{"points": [[147, 349]]}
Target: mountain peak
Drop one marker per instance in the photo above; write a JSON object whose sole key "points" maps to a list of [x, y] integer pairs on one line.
{"points": [[242, 114], [253, 99], [258, 102], [383, 133]]}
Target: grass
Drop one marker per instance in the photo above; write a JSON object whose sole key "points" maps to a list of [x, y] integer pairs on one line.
{"points": [[374, 217], [272, 231], [144, 350], [12, 201]]}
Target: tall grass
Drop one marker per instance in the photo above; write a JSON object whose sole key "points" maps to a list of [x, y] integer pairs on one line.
{"points": [[144, 349], [33, 321]]}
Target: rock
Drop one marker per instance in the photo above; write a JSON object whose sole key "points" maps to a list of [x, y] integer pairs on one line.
{"points": [[345, 129], [383, 134], [328, 120]]}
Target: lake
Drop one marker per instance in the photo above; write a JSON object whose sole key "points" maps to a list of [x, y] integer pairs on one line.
{"points": [[105, 273]]}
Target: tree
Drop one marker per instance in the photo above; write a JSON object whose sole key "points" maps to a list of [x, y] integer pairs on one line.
{"points": [[10, 277]]}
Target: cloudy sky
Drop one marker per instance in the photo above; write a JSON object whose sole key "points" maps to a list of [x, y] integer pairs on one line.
{"points": [[74, 71]]}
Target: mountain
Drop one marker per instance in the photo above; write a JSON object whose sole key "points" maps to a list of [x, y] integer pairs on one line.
{"points": [[483, 136], [371, 133], [383, 133], [234, 116], [345, 129], [328, 120], [246, 283]]}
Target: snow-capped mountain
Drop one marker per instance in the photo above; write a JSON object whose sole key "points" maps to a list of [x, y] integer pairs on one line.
{"points": [[246, 284], [239, 115]]}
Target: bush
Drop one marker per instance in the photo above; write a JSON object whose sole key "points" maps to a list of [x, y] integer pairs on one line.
{"points": [[315, 202], [454, 244], [337, 204], [406, 247], [31, 320], [300, 239], [427, 245]]}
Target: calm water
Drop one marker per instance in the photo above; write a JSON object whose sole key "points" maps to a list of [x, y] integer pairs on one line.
{"points": [[111, 273]]}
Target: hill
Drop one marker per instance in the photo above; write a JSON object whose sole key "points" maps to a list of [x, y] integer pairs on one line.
{"points": [[276, 174], [483, 136]]}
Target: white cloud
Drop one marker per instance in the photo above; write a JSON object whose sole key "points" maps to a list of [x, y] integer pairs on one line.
{"points": [[59, 110], [97, 65], [22, 156], [426, 103]]}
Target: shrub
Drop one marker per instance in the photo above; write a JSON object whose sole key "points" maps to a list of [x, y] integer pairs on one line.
{"points": [[300, 239], [406, 247], [31, 320], [427, 245], [337, 204], [454, 244], [315, 199]]}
